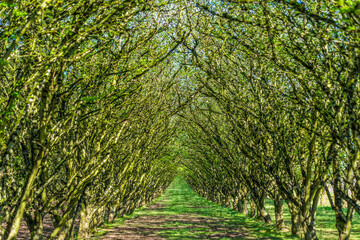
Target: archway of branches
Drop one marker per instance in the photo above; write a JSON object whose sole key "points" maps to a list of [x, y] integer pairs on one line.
{"points": [[103, 103]]}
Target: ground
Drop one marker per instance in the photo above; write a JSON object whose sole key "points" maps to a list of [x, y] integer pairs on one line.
{"points": [[182, 214]]}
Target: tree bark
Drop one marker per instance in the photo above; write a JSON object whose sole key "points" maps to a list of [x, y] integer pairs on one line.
{"points": [[295, 221], [309, 228], [343, 221], [245, 206], [112, 214], [239, 205], [252, 208], [13, 224], [278, 204], [262, 213], [85, 221], [344, 229], [35, 224], [66, 231]]}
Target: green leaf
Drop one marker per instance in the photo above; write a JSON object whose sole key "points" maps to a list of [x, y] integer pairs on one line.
{"points": [[3, 63], [347, 9]]}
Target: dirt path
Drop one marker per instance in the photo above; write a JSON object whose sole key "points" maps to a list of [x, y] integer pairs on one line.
{"points": [[181, 214], [179, 226]]}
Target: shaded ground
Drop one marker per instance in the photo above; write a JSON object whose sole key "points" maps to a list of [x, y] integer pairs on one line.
{"points": [[182, 214]]}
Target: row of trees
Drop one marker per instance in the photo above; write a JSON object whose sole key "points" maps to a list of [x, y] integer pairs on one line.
{"points": [[86, 125], [267, 93], [278, 111]]}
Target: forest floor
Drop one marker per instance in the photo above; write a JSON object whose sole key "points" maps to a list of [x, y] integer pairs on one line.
{"points": [[182, 214]]}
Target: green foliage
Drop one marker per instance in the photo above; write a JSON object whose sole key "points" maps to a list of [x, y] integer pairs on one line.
{"points": [[102, 103]]}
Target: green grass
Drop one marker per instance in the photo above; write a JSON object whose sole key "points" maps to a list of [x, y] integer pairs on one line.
{"points": [[180, 199], [185, 215]]}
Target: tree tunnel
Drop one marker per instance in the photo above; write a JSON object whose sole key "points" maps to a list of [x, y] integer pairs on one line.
{"points": [[103, 103]]}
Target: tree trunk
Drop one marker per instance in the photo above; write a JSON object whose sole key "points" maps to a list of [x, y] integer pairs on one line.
{"points": [[85, 221], [229, 203], [65, 232], [121, 211], [252, 208], [343, 221], [111, 214], [34, 222], [303, 219], [13, 224], [344, 229], [98, 218], [262, 213], [278, 204], [94, 222], [245, 206], [71, 233], [309, 227], [102, 215], [295, 222], [239, 205]]}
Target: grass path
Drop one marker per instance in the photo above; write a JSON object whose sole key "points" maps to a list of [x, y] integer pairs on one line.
{"points": [[182, 214]]}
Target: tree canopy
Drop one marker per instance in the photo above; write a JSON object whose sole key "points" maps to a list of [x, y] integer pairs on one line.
{"points": [[104, 102]]}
